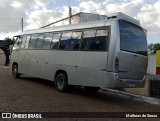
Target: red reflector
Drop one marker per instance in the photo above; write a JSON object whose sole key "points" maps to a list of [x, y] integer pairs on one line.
{"points": [[116, 64]]}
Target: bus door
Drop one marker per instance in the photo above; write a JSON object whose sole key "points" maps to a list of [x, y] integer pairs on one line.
{"points": [[15, 52], [24, 53]]}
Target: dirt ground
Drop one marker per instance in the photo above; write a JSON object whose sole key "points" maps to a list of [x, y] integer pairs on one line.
{"points": [[29, 94]]}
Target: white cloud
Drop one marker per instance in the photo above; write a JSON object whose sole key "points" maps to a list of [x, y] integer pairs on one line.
{"points": [[42, 3], [149, 15], [148, 12], [90, 6], [37, 13], [16, 4]]}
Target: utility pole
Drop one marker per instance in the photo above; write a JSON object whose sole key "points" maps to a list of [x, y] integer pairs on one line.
{"points": [[22, 24], [70, 14]]}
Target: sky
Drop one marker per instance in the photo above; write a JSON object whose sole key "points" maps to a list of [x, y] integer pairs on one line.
{"points": [[37, 13]]}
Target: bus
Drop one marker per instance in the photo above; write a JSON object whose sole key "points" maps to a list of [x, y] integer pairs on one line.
{"points": [[109, 53]]}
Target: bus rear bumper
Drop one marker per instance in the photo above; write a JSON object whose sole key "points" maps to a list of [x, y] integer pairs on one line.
{"points": [[116, 82], [131, 83]]}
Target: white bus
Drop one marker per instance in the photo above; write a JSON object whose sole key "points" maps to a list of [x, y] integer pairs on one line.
{"points": [[110, 53]]}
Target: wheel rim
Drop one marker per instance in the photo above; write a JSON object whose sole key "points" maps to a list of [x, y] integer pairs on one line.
{"points": [[60, 82], [14, 71]]}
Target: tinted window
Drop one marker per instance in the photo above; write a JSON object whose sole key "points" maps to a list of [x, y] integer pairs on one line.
{"points": [[65, 41], [88, 40], [47, 40], [101, 40], [40, 41], [33, 41], [27, 41], [132, 38], [55, 41], [75, 40]]}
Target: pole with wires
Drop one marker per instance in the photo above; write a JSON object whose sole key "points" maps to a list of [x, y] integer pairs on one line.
{"points": [[22, 24], [70, 14]]}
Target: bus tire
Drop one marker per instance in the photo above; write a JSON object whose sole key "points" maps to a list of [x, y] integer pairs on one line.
{"points": [[91, 89], [61, 82], [15, 71]]}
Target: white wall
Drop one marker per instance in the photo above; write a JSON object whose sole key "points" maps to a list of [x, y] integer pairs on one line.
{"points": [[151, 64]]}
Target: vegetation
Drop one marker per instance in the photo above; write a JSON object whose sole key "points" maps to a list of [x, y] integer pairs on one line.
{"points": [[9, 41], [153, 47]]}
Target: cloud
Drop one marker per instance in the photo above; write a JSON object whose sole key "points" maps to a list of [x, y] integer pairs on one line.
{"points": [[16, 4], [149, 15], [37, 13], [43, 3], [90, 6], [39, 18], [146, 11]]}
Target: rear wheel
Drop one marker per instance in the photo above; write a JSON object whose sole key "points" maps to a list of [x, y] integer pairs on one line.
{"points": [[61, 82], [91, 89], [15, 71]]}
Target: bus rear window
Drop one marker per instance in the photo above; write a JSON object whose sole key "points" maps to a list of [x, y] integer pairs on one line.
{"points": [[132, 38]]}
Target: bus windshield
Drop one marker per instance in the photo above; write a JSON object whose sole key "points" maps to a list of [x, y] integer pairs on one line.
{"points": [[132, 38]]}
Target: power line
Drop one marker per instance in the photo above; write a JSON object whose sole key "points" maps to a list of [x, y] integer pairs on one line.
{"points": [[6, 23], [10, 26], [8, 18]]}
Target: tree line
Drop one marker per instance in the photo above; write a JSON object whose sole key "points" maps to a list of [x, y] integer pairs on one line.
{"points": [[153, 47]]}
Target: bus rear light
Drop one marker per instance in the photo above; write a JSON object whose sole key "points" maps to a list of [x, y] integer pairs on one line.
{"points": [[116, 64]]}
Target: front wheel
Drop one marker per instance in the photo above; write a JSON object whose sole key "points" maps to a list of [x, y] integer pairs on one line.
{"points": [[15, 71], [61, 82]]}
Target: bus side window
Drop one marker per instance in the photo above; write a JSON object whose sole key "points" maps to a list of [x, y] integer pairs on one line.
{"points": [[75, 41], [101, 40], [88, 40], [17, 43], [47, 40], [55, 41], [27, 41], [33, 41], [40, 41], [65, 41], [23, 41]]}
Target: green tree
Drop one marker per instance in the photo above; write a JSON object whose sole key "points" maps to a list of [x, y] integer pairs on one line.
{"points": [[154, 47], [9, 41]]}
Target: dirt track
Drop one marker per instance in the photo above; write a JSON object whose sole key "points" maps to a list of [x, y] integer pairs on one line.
{"points": [[29, 94]]}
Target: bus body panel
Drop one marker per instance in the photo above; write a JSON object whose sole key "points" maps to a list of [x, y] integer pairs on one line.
{"points": [[85, 68], [132, 66], [82, 68]]}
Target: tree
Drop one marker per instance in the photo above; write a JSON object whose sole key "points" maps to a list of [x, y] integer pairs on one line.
{"points": [[8, 41], [154, 47]]}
